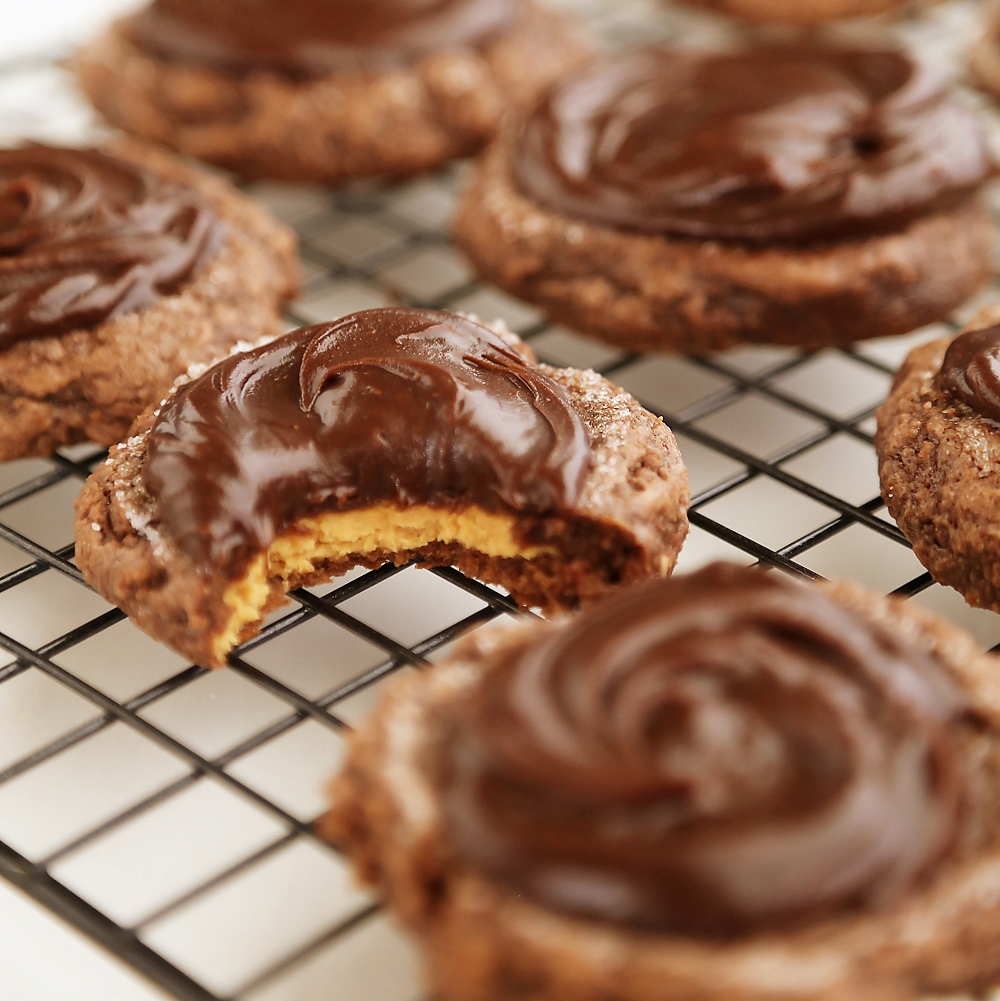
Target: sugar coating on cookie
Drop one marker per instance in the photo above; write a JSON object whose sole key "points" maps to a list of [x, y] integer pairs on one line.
{"points": [[121, 267], [779, 194], [722, 785], [390, 435], [938, 445], [326, 91]]}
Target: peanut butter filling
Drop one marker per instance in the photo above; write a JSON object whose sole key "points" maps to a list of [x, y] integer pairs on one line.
{"points": [[383, 528]]}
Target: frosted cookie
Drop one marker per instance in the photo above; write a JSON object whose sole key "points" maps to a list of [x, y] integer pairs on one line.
{"points": [[388, 436], [938, 445], [727, 786], [675, 200], [325, 90], [119, 268]]}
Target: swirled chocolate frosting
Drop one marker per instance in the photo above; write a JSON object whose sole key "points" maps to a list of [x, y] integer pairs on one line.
{"points": [[971, 370], [406, 406], [314, 37], [709, 755], [85, 236], [766, 144]]}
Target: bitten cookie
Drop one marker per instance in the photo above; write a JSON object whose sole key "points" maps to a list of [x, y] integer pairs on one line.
{"points": [[388, 436], [938, 445], [727, 786], [326, 90], [684, 201], [119, 268]]}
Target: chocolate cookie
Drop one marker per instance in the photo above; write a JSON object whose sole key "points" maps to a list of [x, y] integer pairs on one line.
{"points": [[788, 195], [727, 786], [119, 268], [325, 90], [388, 436], [938, 445]]}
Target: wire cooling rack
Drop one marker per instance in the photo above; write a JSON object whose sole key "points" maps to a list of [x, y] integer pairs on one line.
{"points": [[166, 811]]}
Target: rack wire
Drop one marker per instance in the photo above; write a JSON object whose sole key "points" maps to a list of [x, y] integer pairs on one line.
{"points": [[166, 811]]}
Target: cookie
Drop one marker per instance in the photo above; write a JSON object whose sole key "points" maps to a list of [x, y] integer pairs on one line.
{"points": [[727, 786], [120, 268], [680, 201], [325, 91], [389, 436], [938, 446]]}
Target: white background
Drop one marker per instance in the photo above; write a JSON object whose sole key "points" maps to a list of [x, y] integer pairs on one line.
{"points": [[33, 25]]}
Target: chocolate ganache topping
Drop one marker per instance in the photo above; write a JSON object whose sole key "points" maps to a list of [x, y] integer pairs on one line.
{"points": [[971, 370], [406, 406], [85, 237], [771, 143], [709, 756], [314, 37]]}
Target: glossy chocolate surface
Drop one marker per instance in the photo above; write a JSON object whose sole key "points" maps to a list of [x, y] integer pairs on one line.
{"points": [[314, 37], [971, 370], [85, 237], [709, 756], [765, 144], [400, 405]]}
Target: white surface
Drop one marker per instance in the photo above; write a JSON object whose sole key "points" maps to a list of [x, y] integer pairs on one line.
{"points": [[31, 26], [42, 959]]}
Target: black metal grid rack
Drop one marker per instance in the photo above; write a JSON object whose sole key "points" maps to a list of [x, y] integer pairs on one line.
{"points": [[166, 811]]}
